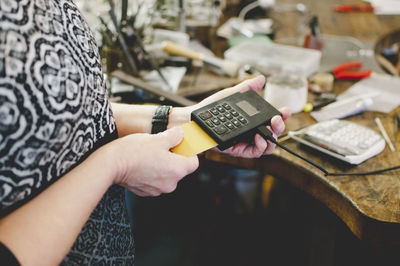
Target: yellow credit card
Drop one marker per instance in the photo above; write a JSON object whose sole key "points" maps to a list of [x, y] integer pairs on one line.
{"points": [[194, 141]]}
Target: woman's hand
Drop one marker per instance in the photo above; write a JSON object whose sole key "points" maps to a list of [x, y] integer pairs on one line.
{"points": [[259, 146], [145, 165]]}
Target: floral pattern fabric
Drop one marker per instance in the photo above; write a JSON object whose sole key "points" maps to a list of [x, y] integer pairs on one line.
{"points": [[54, 112]]}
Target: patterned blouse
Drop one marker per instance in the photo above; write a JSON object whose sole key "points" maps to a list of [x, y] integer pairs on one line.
{"points": [[54, 112]]}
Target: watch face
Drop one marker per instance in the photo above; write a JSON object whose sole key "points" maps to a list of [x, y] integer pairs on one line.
{"points": [[247, 108]]}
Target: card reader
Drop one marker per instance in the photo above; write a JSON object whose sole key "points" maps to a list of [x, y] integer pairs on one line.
{"points": [[234, 119]]}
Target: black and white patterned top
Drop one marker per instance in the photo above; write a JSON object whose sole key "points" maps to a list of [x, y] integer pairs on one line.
{"points": [[54, 112]]}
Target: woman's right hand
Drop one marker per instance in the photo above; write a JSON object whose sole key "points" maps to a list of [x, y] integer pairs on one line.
{"points": [[146, 166]]}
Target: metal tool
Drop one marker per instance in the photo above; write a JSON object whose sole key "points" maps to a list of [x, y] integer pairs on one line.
{"points": [[124, 11], [149, 58], [121, 39], [228, 67], [125, 48], [349, 70], [353, 8], [384, 134], [182, 16]]}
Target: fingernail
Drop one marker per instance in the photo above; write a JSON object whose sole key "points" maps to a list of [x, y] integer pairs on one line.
{"points": [[280, 125], [277, 117]]}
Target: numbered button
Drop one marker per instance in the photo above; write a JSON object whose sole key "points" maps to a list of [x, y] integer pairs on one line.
{"points": [[214, 111], [234, 113], [229, 116], [215, 121], [209, 123], [222, 118], [242, 120], [220, 109], [236, 123], [226, 106], [229, 125], [220, 130]]}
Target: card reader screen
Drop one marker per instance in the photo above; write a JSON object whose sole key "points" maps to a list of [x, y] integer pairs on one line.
{"points": [[247, 107]]}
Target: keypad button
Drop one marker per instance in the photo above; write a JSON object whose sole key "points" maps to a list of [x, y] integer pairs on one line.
{"points": [[222, 118], [229, 116], [236, 123], [234, 113], [215, 121], [209, 123], [205, 115], [220, 109], [214, 111], [220, 130], [229, 125], [226, 106], [242, 120]]}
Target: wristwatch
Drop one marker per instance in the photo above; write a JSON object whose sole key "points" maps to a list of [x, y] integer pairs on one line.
{"points": [[160, 119]]}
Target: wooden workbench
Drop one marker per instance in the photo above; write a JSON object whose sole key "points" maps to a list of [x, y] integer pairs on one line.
{"points": [[369, 205]]}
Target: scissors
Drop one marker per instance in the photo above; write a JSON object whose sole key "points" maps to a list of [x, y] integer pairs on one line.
{"points": [[350, 70]]}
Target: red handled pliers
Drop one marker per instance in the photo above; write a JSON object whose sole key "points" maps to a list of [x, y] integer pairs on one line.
{"points": [[353, 8], [349, 70]]}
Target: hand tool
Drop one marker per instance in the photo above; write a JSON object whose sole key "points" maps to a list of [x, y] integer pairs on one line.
{"points": [[349, 70], [230, 68]]}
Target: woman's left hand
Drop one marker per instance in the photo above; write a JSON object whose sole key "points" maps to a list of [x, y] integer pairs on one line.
{"points": [[259, 146]]}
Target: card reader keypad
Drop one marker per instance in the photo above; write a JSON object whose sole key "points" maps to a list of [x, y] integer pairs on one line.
{"points": [[223, 118], [234, 119]]}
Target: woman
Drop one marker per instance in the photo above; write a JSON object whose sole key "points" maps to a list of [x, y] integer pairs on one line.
{"points": [[63, 164]]}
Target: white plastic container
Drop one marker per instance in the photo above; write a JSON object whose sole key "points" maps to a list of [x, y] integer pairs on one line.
{"points": [[276, 58], [287, 90]]}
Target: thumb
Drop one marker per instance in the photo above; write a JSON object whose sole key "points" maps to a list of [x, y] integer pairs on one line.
{"points": [[172, 137], [256, 84]]}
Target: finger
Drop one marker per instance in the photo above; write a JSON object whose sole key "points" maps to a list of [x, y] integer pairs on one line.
{"points": [[277, 125], [194, 162], [270, 146], [189, 164], [172, 137], [184, 165], [256, 84], [244, 150], [237, 150], [286, 112], [261, 145]]}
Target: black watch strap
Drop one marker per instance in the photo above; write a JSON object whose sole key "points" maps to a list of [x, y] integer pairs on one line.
{"points": [[160, 119]]}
